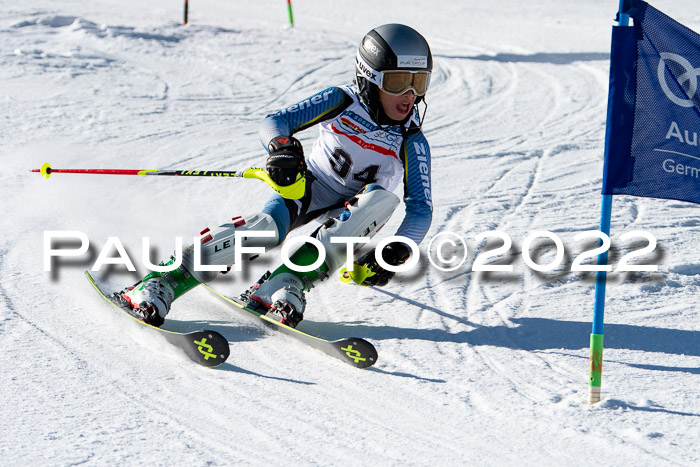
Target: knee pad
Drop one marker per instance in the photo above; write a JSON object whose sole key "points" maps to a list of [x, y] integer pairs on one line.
{"points": [[218, 245], [364, 216]]}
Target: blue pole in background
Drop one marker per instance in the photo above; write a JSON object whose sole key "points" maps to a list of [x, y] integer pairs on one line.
{"points": [[601, 276], [596, 356]]}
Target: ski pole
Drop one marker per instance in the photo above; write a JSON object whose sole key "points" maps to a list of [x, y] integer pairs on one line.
{"points": [[293, 191]]}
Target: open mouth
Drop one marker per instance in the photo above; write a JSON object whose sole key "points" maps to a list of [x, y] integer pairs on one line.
{"points": [[403, 108]]}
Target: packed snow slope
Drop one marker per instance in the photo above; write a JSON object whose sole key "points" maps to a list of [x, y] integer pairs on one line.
{"points": [[474, 368]]}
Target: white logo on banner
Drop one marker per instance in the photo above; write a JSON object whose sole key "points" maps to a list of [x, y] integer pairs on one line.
{"points": [[690, 76]]}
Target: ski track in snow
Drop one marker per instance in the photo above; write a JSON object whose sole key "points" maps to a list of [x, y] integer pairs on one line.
{"points": [[474, 367]]}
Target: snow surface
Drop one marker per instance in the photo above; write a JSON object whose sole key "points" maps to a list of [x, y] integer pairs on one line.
{"points": [[474, 368]]}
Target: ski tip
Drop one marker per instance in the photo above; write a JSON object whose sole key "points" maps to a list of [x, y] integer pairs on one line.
{"points": [[357, 352], [209, 348]]}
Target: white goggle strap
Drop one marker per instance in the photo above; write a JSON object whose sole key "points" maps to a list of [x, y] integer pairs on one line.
{"points": [[367, 71]]}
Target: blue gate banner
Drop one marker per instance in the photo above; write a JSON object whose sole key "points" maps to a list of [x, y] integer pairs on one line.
{"points": [[653, 121]]}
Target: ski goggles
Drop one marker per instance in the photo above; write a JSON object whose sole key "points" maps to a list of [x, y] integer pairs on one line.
{"points": [[395, 82]]}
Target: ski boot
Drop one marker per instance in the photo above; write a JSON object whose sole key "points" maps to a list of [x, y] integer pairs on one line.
{"points": [[150, 298], [280, 297]]}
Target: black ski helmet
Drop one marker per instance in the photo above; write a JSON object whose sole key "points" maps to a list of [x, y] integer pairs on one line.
{"points": [[388, 47]]}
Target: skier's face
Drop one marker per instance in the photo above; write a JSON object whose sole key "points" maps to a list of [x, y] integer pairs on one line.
{"points": [[397, 107]]}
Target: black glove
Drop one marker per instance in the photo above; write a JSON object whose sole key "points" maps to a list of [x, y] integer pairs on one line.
{"points": [[286, 160], [394, 254]]}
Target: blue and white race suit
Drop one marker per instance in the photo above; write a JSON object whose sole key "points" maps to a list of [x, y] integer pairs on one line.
{"points": [[352, 151]]}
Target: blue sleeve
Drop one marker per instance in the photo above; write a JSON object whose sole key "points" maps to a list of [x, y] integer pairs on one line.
{"points": [[417, 188], [317, 108]]}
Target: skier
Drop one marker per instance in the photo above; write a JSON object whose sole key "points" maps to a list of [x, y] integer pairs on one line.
{"points": [[370, 141]]}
